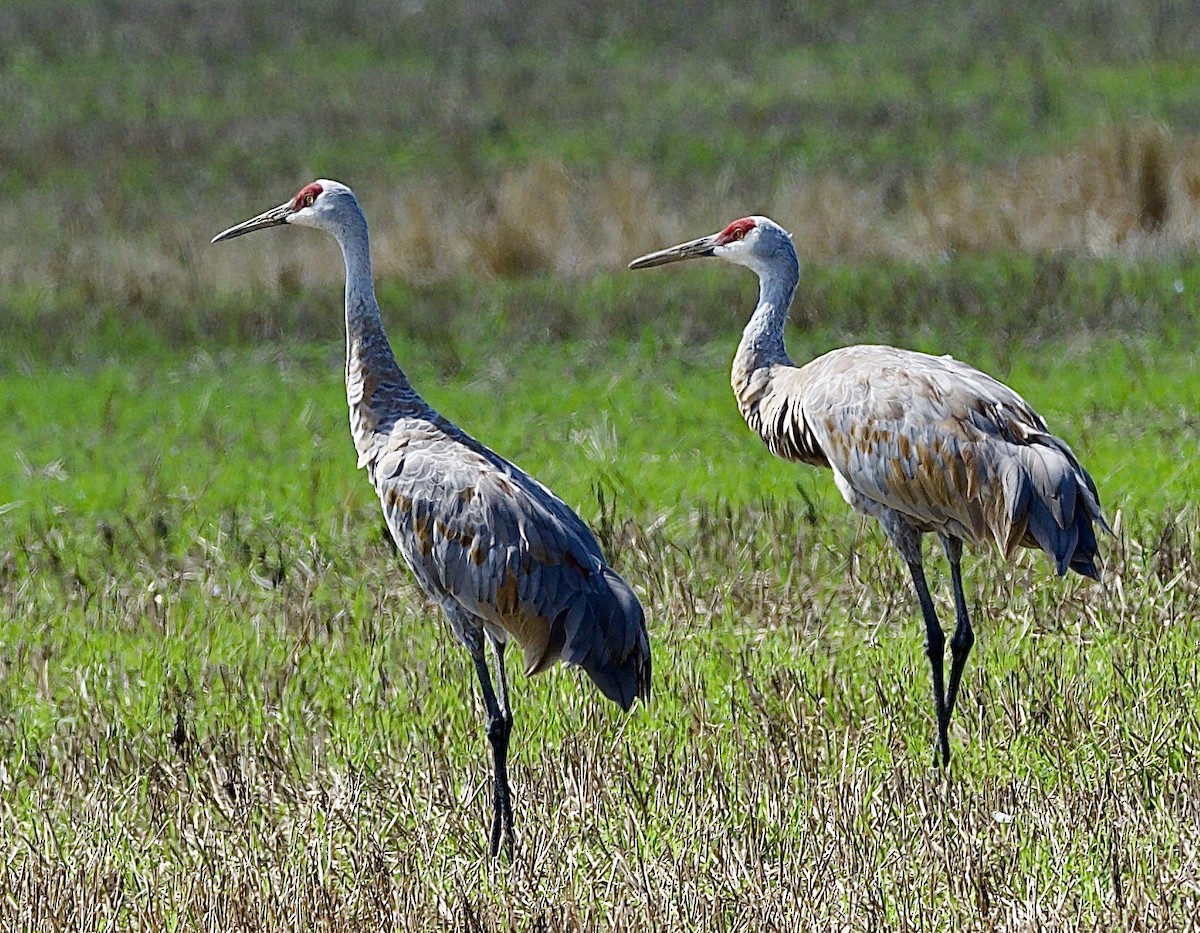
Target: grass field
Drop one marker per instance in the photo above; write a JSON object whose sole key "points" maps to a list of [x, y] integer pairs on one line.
{"points": [[225, 705]]}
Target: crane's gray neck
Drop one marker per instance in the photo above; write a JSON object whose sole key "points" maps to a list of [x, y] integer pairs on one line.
{"points": [[366, 339], [376, 387], [762, 340]]}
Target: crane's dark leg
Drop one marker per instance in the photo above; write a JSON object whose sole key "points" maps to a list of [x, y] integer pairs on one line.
{"points": [[907, 540], [964, 637], [498, 729], [498, 733], [935, 644]]}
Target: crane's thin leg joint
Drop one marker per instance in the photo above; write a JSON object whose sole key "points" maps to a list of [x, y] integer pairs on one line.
{"points": [[964, 636], [935, 644], [499, 727], [501, 681]]}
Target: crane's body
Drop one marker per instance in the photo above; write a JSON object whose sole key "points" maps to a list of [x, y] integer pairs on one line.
{"points": [[922, 443], [928, 441], [493, 546], [504, 557]]}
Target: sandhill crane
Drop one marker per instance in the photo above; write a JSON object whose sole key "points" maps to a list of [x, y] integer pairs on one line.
{"points": [[922, 443], [499, 552]]}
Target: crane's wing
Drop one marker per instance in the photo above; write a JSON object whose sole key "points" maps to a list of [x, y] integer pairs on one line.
{"points": [[479, 531], [947, 447]]}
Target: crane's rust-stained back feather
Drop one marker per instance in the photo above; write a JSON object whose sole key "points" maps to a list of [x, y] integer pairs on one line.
{"points": [[947, 447], [479, 531]]}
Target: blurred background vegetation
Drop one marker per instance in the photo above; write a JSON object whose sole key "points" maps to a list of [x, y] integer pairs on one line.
{"points": [[506, 141]]}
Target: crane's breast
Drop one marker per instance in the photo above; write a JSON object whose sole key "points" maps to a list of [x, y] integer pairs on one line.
{"points": [[778, 417]]}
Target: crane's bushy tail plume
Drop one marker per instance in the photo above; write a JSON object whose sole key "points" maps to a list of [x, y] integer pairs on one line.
{"points": [[1053, 504], [604, 632]]}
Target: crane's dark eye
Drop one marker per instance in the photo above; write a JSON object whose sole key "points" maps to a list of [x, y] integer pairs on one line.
{"points": [[309, 198]]}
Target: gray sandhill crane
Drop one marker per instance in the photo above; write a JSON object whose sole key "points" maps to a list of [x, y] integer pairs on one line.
{"points": [[922, 443], [499, 552]]}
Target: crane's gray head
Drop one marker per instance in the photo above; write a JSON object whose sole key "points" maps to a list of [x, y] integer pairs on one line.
{"points": [[757, 242], [324, 204]]}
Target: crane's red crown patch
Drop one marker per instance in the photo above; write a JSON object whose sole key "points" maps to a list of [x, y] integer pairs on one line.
{"points": [[736, 230], [305, 196]]}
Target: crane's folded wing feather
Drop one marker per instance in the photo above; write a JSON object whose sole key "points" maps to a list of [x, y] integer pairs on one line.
{"points": [[480, 531], [944, 445]]}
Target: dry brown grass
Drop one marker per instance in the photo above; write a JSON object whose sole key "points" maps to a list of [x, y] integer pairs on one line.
{"points": [[1127, 191]]}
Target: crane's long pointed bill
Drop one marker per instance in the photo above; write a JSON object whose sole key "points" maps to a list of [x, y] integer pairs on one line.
{"points": [[692, 250], [272, 218]]}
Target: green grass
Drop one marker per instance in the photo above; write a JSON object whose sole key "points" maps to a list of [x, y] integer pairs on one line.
{"points": [[653, 424], [215, 668], [152, 105], [690, 118]]}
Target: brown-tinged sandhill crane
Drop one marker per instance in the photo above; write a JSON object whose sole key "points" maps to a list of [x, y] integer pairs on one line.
{"points": [[922, 443], [499, 552]]}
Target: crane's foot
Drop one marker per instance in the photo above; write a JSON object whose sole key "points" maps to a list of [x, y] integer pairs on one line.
{"points": [[941, 748], [502, 832]]}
